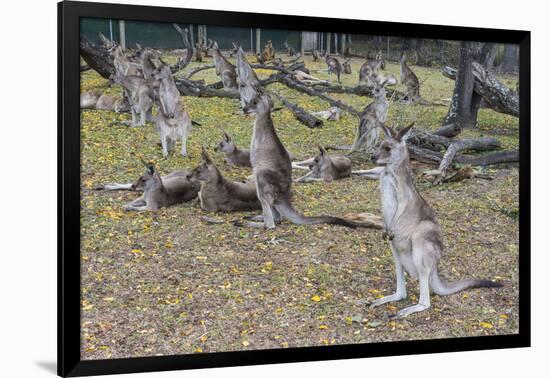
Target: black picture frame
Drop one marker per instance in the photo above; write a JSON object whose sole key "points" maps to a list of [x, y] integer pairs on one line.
{"points": [[69, 362]]}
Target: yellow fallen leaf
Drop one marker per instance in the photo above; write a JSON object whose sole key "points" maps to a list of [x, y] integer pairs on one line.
{"points": [[198, 350], [323, 326], [316, 298], [245, 343], [88, 307], [486, 325], [108, 299]]}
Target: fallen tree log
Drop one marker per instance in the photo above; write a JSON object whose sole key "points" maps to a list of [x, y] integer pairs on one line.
{"points": [[98, 58], [303, 116], [497, 96], [286, 80], [359, 90]]}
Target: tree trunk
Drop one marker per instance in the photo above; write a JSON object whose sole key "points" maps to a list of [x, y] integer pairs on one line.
{"points": [[98, 58], [509, 61], [460, 110], [487, 60], [496, 95]]}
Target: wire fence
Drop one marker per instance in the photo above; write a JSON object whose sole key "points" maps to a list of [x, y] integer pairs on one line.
{"points": [[426, 52]]}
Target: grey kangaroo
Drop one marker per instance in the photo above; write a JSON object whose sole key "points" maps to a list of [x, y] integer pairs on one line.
{"points": [[145, 57], [289, 49], [370, 69], [224, 69], [410, 80], [233, 154], [334, 66], [140, 96], [271, 167], [100, 101], [174, 188], [173, 121], [416, 238], [347, 66], [371, 119], [217, 194], [327, 168]]}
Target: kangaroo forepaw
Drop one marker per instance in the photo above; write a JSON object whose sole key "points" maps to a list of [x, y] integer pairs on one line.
{"points": [[387, 235]]}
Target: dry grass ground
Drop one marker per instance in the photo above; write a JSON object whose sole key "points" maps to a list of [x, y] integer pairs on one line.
{"points": [[167, 283]]}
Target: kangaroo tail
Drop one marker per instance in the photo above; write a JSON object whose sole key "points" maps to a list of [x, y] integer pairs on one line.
{"points": [[288, 212], [441, 287]]}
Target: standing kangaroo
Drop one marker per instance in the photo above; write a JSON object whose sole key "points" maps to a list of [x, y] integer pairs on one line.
{"points": [[233, 154], [327, 168], [219, 194], [271, 167], [416, 238], [370, 69], [173, 121], [290, 50], [165, 191], [347, 66], [371, 119], [139, 95], [334, 66], [224, 69], [410, 80]]}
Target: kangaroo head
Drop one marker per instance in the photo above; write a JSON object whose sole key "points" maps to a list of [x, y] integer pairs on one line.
{"points": [[226, 145], [393, 150], [116, 51], [255, 100], [115, 78], [150, 180], [319, 161], [163, 72], [204, 170], [379, 92]]}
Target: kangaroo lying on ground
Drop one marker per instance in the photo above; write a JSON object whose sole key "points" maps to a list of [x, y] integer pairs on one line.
{"points": [[410, 80], [331, 114], [416, 238], [233, 154], [224, 69], [173, 121], [271, 167], [140, 97], [174, 188], [327, 168], [334, 66], [219, 194], [101, 101]]}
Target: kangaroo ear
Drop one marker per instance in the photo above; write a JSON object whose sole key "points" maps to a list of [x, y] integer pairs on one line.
{"points": [[387, 131], [205, 156], [227, 137], [403, 132], [151, 168], [322, 150]]}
